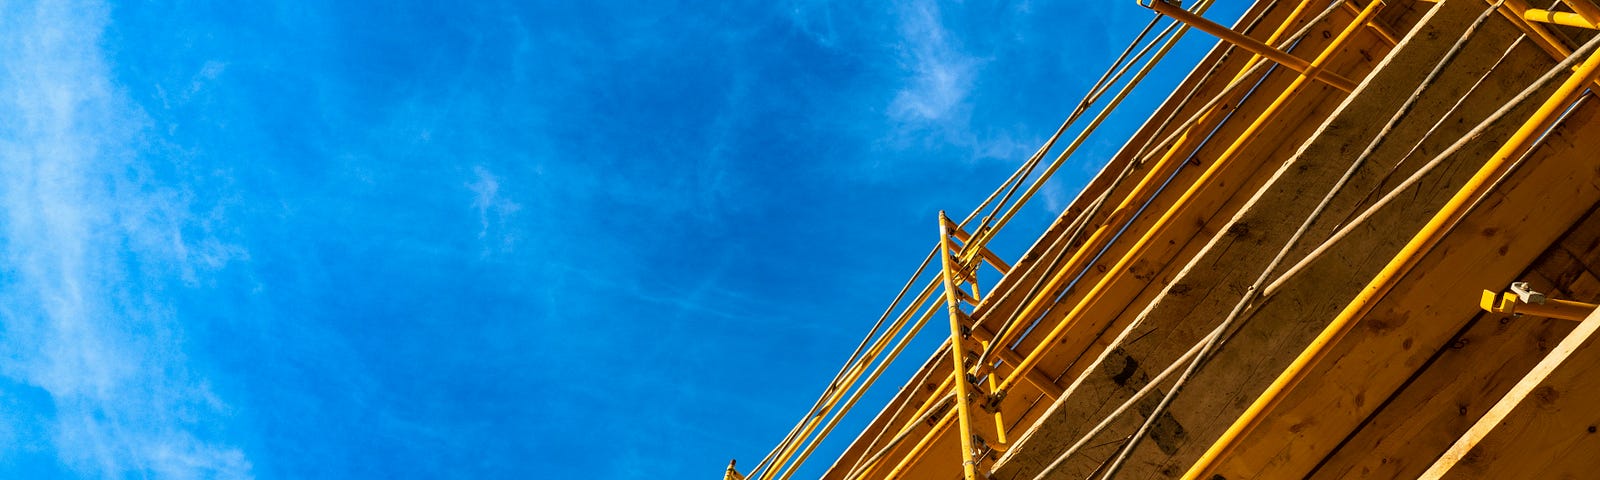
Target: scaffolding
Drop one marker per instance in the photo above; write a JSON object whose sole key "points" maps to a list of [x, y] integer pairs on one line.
{"points": [[1283, 273]]}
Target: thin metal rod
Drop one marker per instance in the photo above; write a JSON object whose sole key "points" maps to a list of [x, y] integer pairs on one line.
{"points": [[834, 384], [1215, 67], [1211, 344], [832, 400], [932, 403], [1137, 396], [1168, 217], [862, 388], [1258, 47], [1100, 117], [1111, 227], [1252, 67], [893, 442], [1425, 169]]}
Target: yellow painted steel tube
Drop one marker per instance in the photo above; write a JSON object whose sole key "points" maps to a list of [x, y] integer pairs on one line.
{"points": [[1397, 268], [1559, 18], [844, 386], [1585, 9], [1510, 304], [1001, 441], [980, 250], [921, 446], [1166, 219], [862, 388], [1256, 46], [1140, 194], [927, 405], [958, 351], [1514, 10], [1383, 32], [923, 410]]}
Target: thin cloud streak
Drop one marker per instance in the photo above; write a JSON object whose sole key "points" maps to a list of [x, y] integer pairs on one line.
{"points": [[941, 75], [89, 237], [935, 104]]}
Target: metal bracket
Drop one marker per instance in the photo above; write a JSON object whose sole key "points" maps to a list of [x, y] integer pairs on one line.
{"points": [[1526, 294], [991, 402], [1522, 299]]}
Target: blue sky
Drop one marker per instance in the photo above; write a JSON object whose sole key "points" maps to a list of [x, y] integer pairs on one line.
{"points": [[487, 240]]}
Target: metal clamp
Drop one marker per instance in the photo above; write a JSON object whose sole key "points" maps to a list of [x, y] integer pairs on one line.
{"points": [[1526, 294]]}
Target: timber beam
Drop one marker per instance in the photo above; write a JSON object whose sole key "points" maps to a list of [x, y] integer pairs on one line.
{"points": [[1212, 282]]}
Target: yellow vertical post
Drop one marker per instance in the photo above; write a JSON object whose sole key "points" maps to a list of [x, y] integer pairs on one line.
{"points": [[958, 350], [1001, 442]]}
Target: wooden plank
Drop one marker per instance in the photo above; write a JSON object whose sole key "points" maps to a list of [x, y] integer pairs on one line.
{"points": [[1585, 288], [1213, 282], [1125, 276], [1442, 400], [1244, 176], [1238, 119], [1549, 413], [1029, 414], [1432, 303], [1148, 276]]}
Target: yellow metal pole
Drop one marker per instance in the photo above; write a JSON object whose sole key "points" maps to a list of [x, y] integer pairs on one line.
{"points": [[1510, 304], [871, 378], [1383, 32], [1585, 9], [1001, 441], [1201, 183], [1514, 10], [1559, 18], [1253, 45], [958, 351], [730, 473], [1380, 285], [1147, 186], [979, 250], [1039, 380], [844, 386], [921, 446], [927, 405]]}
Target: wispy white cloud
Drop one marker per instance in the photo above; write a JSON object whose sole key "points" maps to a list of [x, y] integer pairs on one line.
{"points": [[934, 105], [941, 76], [90, 239], [816, 19], [494, 209]]}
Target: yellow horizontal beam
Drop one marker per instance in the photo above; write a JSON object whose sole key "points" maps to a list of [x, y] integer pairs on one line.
{"points": [[1559, 18], [1585, 9], [1510, 304], [1254, 46]]}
